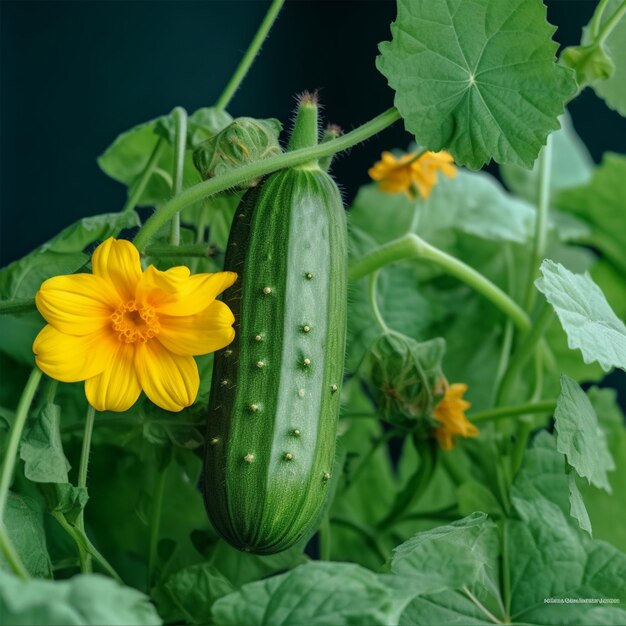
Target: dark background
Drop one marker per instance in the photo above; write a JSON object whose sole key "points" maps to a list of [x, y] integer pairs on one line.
{"points": [[75, 74]]}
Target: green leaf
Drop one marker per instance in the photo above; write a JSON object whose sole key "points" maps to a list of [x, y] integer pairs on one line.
{"points": [[601, 203], [447, 557], [586, 317], [613, 89], [577, 506], [65, 498], [580, 437], [90, 600], [63, 254], [474, 496], [17, 334], [24, 523], [42, 450], [571, 165], [316, 594], [477, 78], [193, 590], [126, 158]]}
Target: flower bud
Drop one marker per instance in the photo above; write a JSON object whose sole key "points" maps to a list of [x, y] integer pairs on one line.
{"points": [[244, 141], [403, 377]]}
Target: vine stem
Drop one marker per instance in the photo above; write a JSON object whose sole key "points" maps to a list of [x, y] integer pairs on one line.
{"points": [[155, 523], [527, 345], [503, 412], [610, 24], [248, 58], [597, 18], [180, 141], [85, 558], [411, 246], [374, 302], [145, 176], [8, 465], [15, 307], [541, 222], [261, 168]]}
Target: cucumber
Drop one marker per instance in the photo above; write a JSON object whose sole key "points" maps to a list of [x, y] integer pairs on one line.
{"points": [[275, 392]]}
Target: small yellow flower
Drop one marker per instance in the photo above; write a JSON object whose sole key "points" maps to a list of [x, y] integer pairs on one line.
{"points": [[450, 411], [122, 330], [411, 172]]}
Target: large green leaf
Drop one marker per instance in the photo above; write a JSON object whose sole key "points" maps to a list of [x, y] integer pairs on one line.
{"points": [[601, 203], [42, 450], [579, 435], [63, 254], [24, 523], [476, 77], [570, 166], [613, 89], [586, 317], [126, 158], [191, 592], [90, 600], [315, 594]]}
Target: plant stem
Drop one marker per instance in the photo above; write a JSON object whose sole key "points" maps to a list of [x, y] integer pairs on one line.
{"points": [[416, 485], [85, 559], [597, 18], [506, 573], [155, 523], [180, 141], [140, 186], [261, 168], [367, 533], [610, 24], [503, 412], [249, 56], [527, 345], [85, 546], [541, 222], [325, 539], [384, 438], [15, 307], [411, 246], [8, 465], [374, 302], [201, 250]]}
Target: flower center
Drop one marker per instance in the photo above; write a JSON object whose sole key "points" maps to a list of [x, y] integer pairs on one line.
{"points": [[133, 322]]}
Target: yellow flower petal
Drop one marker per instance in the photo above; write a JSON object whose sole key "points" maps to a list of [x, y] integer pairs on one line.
{"points": [[176, 293], [117, 387], [205, 332], [170, 381], [71, 359], [450, 412], [79, 304], [117, 262]]}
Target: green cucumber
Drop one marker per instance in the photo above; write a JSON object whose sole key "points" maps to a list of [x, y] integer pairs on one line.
{"points": [[275, 392]]}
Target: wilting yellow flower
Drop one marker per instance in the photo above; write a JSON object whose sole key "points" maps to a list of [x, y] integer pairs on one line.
{"points": [[450, 411], [411, 172], [122, 330]]}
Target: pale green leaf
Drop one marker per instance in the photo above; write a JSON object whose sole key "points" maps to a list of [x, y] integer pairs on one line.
{"points": [[586, 317], [90, 600], [24, 523], [613, 89], [571, 165], [42, 450], [577, 505], [579, 435], [477, 77], [447, 557], [315, 594]]}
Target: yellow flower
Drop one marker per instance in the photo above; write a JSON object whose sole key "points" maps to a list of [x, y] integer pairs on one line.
{"points": [[411, 172], [122, 330], [450, 411]]}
